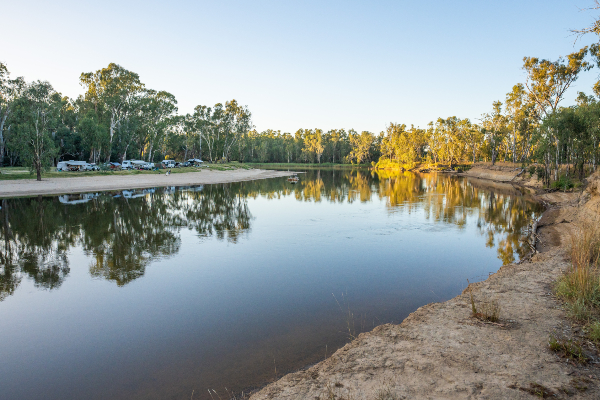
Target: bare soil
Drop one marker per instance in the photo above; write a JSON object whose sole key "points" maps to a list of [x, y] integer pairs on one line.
{"points": [[28, 187], [441, 352]]}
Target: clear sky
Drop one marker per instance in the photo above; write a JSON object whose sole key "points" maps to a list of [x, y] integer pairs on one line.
{"points": [[301, 64]]}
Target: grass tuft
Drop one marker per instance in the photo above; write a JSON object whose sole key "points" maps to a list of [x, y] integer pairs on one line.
{"points": [[593, 331], [485, 310], [538, 390], [579, 286], [567, 348]]}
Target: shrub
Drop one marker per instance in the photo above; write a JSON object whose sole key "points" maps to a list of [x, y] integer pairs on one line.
{"points": [[563, 183]]}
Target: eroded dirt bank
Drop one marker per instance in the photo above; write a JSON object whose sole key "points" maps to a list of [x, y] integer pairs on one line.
{"points": [[28, 187], [441, 352]]}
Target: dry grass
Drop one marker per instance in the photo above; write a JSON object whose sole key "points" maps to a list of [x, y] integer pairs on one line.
{"points": [[580, 284], [336, 392], [485, 310], [541, 391]]}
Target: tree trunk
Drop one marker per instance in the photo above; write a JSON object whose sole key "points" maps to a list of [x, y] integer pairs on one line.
{"points": [[2, 138], [150, 152], [112, 132], [38, 170]]}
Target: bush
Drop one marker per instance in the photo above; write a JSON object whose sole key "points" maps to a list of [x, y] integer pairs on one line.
{"points": [[563, 183]]}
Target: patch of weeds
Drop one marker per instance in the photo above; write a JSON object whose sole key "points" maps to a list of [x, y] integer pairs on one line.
{"points": [[593, 331], [538, 390], [580, 310], [385, 393], [485, 310], [567, 348], [335, 392], [580, 383]]}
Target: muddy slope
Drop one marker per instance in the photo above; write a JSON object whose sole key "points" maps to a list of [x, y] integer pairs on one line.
{"points": [[440, 352]]}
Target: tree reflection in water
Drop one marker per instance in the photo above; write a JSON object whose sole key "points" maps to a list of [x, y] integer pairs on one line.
{"points": [[123, 232]]}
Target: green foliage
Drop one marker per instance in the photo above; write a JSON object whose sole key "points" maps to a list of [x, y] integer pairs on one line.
{"points": [[118, 117], [563, 183]]}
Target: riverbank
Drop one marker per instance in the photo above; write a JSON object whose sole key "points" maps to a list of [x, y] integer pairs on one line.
{"points": [[440, 351], [308, 166], [54, 186]]}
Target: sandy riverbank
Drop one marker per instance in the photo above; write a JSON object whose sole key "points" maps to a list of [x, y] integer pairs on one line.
{"points": [[29, 187], [440, 352]]}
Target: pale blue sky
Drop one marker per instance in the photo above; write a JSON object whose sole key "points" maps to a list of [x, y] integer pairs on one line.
{"points": [[303, 64]]}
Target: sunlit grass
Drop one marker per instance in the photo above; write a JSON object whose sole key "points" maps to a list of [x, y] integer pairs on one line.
{"points": [[579, 286]]}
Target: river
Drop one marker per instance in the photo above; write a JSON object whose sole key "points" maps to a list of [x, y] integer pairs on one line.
{"points": [[161, 293]]}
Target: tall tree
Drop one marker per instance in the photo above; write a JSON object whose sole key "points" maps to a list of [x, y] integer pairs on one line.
{"points": [[37, 113], [10, 90], [114, 89]]}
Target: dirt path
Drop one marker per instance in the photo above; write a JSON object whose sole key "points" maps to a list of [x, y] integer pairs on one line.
{"points": [[440, 352], [28, 187]]}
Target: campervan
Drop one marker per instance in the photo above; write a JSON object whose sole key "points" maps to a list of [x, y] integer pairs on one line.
{"points": [[74, 166]]}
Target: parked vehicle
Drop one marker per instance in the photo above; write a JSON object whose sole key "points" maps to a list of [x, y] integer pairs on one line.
{"points": [[74, 166], [113, 165], [168, 163], [195, 161]]}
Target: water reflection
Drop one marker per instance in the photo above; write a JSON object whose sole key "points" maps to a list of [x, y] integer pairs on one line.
{"points": [[227, 292], [123, 232]]}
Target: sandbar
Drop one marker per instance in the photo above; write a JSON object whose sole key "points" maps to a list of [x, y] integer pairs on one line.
{"points": [[85, 184]]}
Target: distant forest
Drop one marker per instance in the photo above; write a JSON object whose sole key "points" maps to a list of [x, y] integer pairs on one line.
{"points": [[118, 118]]}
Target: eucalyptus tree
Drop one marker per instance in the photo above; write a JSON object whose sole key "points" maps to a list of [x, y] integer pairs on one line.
{"points": [[453, 146], [495, 126], [335, 138], [521, 114], [435, 142], [313, 143], [36, 114], [157, 109], [547, 82], [221, 127], [361, 146], [10, 91], [112, 90], [472, 137]]}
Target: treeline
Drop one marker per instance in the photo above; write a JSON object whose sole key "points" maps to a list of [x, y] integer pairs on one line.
{"points": [[119, 117]]}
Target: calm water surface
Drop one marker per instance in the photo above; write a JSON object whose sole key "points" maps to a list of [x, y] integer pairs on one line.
{"points": [[157, 293]]}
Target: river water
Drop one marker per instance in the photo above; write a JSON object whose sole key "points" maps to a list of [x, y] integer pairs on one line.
{"points": [[161, 293]]}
